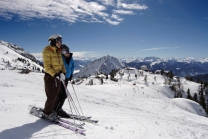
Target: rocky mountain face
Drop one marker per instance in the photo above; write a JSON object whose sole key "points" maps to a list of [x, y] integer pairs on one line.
{"points": [[102, 65]]}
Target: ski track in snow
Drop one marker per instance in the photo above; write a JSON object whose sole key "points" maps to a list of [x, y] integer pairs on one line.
{"points": [[124, 111]]}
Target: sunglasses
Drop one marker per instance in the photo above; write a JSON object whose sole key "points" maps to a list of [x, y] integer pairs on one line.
{"points": [[59, 40]]}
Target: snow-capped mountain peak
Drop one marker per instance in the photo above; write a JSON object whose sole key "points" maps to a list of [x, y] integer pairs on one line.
{"points": [[102, 65]]}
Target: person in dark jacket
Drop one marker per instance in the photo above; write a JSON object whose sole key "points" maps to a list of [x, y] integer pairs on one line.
{"points": [[69, 67]]}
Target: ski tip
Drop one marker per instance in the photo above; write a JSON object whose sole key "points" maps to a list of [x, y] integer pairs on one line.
{"points": [[95, 121], [81, 131]]}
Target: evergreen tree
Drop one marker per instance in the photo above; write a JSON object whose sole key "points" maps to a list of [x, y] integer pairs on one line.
{"points": [[101, 80], [162, 72], [187, 78], [205, 84], [195, 97], [145, 78], [112, 74], [136, 76], [175, 96], [189, 95], [170, 74], [198, 81], [201, 98]]}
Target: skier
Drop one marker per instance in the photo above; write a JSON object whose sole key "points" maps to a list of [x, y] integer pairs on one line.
{"points": [[54, 70], [69, 66]]}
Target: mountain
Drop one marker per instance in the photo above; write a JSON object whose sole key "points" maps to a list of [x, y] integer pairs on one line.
{"points": [[79, 64], [102, 65], [180, 67], [18, 50], [15, 57], [202, 77]]}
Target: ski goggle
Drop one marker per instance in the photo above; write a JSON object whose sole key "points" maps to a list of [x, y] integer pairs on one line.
{"points": [[59, 40], [64, 51]]}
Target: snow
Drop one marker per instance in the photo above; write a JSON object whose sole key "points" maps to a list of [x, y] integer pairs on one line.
{"points": [[194, 87], [189, 106], [8, 58], [124, 110]]}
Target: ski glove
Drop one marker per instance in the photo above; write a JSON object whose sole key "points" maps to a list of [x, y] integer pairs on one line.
{"points": [[62, 76], [56, 76]]}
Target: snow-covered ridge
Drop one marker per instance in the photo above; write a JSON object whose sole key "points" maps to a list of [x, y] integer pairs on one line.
{"points": [[18, 49], [15, 57]]}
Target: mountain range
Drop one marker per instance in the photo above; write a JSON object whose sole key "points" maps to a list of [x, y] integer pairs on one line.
{"points": [[87, 66], [180, 67]]}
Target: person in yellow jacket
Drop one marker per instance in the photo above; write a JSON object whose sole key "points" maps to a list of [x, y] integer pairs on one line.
{"points": [[54, 70]]}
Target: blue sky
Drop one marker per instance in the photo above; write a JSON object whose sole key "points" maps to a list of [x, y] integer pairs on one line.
{"points": [[121, 28]]}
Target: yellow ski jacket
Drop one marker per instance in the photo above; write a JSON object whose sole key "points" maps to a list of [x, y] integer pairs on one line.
{"points": [[52, 59]]}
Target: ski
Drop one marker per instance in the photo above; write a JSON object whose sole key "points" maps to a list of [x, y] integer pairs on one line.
{"points": [[70, 123], [72, 116], [35, 111], [72, 128], [89, 120]]}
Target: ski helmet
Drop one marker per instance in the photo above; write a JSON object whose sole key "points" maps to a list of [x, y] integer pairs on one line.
{"points": [[64, 49], [54, 36], [53, 39]]}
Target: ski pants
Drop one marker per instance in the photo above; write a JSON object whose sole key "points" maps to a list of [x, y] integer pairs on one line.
{"points": [[61, 97], [52, 88]]}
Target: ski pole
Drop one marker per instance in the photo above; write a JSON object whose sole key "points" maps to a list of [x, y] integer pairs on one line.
{"points": [[77, 100], [70, 99], [67, 93]]}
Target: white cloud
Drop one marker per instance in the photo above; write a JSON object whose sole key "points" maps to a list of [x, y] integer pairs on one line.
{"points": [[159, 48], [80, 55], [112, 22], [123, 12], [134, 6], [108, 2], [114, 16], [68, 10]]}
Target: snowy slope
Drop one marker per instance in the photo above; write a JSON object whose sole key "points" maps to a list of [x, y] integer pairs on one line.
{"points": [[124, 110], [9, 55]]}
